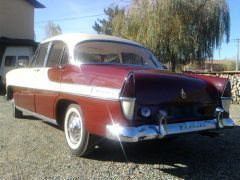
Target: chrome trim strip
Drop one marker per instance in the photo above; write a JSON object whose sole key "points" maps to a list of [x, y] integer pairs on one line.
{"points": [[127, 99], [93, 97], [91, 91], [226, 98], [44, 118], [74, 94], [225, 87], [29, 78], [146, 132]]}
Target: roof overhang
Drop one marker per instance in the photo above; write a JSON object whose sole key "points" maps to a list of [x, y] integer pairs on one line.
{"points": [[17, 42], [35, 4]]}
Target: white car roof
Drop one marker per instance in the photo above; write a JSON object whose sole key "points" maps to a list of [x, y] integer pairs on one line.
{"points": [[71, 39]]}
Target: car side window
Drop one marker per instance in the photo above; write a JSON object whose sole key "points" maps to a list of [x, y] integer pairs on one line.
{"points": [[34, 58], [55, 54], [65, 57], [42, 55]]}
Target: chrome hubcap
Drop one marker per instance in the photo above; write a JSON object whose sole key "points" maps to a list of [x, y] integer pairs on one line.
{"points": [[74, 128]]}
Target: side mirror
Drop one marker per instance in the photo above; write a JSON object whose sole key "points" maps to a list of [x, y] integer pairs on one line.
{"points": [[22, 62]]}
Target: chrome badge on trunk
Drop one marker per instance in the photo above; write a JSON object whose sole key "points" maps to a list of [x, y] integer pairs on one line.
{"points": [[183, 95]]}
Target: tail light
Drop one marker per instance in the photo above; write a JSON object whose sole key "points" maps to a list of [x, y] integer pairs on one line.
{"points": [[226, 97], [128, 97]]}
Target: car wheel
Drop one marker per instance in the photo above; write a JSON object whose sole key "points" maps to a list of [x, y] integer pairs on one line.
{"points": [[16, 112], [79, 140]]}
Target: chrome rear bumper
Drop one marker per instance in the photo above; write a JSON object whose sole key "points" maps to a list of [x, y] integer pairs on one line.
{"points": [[146, 132]]}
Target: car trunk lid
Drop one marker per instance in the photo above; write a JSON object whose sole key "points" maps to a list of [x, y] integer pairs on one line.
{"points": [[184, 98], [160, 88]]}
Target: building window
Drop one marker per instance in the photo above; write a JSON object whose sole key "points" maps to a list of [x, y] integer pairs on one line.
{"points": [[23, 61], [24, 58], [10, 61]]}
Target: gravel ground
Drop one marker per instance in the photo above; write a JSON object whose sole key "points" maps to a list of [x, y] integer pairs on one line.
{"points": [[32, 149]]}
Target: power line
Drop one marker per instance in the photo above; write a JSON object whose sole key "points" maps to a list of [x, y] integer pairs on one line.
{"points": [[70, 18], [238, 44]]}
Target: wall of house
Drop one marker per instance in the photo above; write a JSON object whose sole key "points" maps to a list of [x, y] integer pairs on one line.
{"points": [[16, 19]]}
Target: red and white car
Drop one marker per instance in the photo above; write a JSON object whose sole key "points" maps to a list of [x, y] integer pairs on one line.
{"points": [[96, 85]]}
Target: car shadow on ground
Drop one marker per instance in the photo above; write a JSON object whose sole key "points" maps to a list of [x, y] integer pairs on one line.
{"points": [[190, 156], [185, 157]]}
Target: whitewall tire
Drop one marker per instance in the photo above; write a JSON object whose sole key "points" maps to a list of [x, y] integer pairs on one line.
{"points": [[77, 137]]}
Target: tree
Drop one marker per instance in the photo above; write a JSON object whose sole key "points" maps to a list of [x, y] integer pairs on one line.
{"points": [[177, 31], [229, 65], [104, 26], [52, 29]]}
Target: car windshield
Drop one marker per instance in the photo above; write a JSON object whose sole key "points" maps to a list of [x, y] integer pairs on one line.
{"points": [[98, 52]]}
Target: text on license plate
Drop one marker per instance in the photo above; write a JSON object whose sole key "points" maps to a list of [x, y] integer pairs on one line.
{"points": [[188, 126]]}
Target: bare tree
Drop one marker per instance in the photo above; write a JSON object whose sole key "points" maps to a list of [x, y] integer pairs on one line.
{"points": [[52, 29]]}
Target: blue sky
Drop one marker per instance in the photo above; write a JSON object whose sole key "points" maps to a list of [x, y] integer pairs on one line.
{"points": [[60, 9], [57, 10]]}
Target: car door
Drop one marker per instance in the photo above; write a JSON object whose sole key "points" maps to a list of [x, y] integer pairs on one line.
{"points": [[26, 93], [49, 78]]}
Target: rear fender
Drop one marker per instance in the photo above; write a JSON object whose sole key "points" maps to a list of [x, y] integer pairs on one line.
{"points": [[218, 82]]}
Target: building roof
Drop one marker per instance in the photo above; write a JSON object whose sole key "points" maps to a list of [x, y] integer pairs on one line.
{"points": [[35, 4], [17, 42], [74, 38], [218, 62]]}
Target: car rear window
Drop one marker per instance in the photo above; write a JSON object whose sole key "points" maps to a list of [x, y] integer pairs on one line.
{"points": [[113, 53]]}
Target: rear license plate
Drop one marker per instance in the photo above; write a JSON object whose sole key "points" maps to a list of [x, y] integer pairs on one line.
{"points": [[188, 126]]}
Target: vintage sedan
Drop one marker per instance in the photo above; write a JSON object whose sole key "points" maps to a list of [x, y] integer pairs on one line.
{"points": [[104, 86]]}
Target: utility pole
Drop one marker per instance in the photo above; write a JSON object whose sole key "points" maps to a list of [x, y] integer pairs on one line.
{"points": [[238, 44], [219, 52]]}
